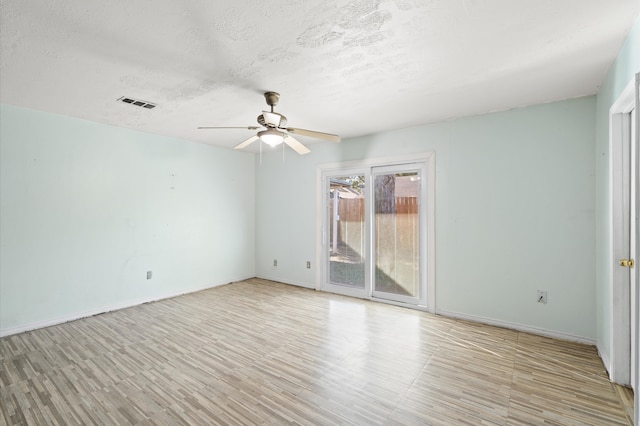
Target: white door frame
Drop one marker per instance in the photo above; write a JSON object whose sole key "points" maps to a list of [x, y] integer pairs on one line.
{"points": [[623, 169]]}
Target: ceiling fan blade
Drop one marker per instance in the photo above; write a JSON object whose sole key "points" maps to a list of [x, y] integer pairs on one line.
{"points": [[295, 145], [248, 142], [314, 134], [248, 127]]}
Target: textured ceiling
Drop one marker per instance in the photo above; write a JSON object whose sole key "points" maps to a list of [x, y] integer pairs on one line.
{"points": [[346, 67]]}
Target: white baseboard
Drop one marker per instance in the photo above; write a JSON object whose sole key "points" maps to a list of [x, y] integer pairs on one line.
{"points": [[122, 305], [490, 321], [605, 360], [520, 327], [280, 280]]}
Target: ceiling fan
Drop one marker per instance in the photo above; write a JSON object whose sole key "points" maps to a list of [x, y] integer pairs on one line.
{"points": [[276, 131]]}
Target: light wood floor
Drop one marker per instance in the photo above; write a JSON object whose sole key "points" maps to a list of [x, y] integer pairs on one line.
{"points": [[258, 352]]}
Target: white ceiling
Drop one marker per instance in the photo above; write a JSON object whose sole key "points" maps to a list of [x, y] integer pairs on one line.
{"points": [[347, 67]]}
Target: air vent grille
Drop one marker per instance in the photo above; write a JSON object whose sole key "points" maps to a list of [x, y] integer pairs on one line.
{"points": [[136, 102]]}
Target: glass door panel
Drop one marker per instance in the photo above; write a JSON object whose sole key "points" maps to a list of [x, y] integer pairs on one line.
{"points": [[346, 234], [396, 235]]}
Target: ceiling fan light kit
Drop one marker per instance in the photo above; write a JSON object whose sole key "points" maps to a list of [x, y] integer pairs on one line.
{"points": [[276, 131], [271, 137]]}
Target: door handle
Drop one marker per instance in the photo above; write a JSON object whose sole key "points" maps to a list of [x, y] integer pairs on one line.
{"points": [[627, 263]]}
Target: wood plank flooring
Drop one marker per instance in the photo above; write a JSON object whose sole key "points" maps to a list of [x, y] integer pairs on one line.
{"points": [[259, 352]]}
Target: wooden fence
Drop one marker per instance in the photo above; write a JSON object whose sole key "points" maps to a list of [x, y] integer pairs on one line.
{"points": [[396, 240], [352, 209]]}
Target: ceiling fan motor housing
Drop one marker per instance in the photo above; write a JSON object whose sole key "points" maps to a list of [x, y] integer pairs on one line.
{"points": [[281, 121]]}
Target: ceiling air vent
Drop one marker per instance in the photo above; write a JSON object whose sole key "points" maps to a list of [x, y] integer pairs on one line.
{"points": [[136, 102]]}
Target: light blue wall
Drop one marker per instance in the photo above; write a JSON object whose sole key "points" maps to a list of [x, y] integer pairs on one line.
{"points": [[87, 209], [514, 212], [621, 72]]}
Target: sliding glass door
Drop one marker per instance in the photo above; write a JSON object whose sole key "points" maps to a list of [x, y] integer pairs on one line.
{"points": [[374, 238]]}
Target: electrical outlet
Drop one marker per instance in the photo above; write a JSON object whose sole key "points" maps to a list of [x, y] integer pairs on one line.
{"points": [[308, 265], [149, 275], [542, 296], [275, 262]]}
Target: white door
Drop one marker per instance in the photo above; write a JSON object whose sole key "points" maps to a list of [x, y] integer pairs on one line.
{"points": [[621, 258], [624, 178], [633, 244], [633, 232], [635, 310]]}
